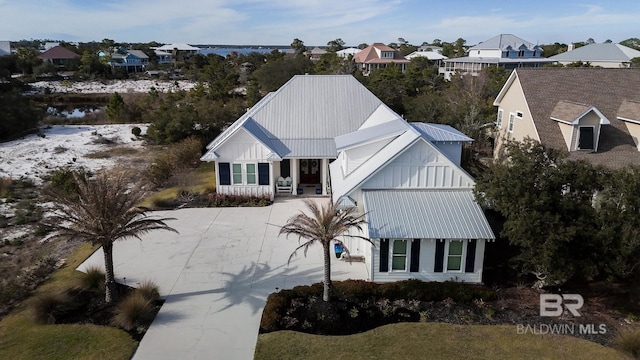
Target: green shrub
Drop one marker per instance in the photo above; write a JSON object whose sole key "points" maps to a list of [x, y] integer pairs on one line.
{"points": [[136, 131], [229, 200], [149, 290], [133, 311], [46, 307], [629, 342], [92, 279], [271, 315], [62, 180], [175, 159]]}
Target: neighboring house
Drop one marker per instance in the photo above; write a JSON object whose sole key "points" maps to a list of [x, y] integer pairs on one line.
{"points": [[418, 202], [164, 57], [505, 50], [315, 53], [428, 48], [284, 143], [50, 45], [5, 48], [592, 113], [345, 53], [130, 60], [604, 55], [177, 51], [58, 56], [379, 56], [436, 57]]}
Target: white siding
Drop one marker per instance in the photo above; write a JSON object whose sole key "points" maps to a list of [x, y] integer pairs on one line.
{"points": [[242, 147], [357, 156], [486, 53], [427, 262], [421, 166], [453, 150]]}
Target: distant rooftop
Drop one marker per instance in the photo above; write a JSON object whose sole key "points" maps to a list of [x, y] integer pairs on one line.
{"points": [[599, 53]]}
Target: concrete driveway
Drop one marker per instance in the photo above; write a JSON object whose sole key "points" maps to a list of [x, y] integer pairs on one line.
{"points": [[216, 275]]}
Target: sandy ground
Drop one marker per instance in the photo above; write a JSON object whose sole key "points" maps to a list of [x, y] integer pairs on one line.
{"points": [[120, 86], [64, 145]]}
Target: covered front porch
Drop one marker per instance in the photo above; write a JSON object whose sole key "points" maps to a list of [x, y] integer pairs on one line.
{"points": [[301, 177]]}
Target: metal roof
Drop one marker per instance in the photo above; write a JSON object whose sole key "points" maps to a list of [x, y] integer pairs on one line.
{"points": [[497, 60], [373, 133], [440, 133], [599, 52], [425, 214], [307, 113], [504, 42]]}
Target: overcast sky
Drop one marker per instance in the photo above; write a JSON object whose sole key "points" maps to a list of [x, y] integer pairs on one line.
{"points": [[278, 22]]}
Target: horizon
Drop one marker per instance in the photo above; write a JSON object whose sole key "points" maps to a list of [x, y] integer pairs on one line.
{"points": [[278, 22]]}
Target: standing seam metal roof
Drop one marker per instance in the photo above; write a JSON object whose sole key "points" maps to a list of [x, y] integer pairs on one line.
{"points": [[425, 214]]}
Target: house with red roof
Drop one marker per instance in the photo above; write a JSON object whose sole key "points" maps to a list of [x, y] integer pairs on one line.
{"points": [[379, 56], [58, 55]]}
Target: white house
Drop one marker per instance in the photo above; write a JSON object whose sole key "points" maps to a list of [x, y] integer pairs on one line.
{"points": [[5, 48], [327, 134], [608, 55], [284, 143], [418, 202]]}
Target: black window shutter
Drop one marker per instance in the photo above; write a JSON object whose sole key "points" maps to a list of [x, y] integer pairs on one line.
{"points": [[470, 263], [439, 261], [225, 173], [415, 256], [263, 173], [384, 255]]}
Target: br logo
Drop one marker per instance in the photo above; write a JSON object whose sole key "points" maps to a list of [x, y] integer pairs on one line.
{"points": [[554, 304]]}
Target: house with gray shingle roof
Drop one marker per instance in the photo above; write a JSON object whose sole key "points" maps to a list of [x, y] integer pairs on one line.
{"points": [[606, 55], [505, 50], [592, 113], [130, 60]]}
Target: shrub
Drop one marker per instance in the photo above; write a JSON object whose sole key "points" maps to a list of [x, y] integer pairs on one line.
{"points": [[92, 279], [133, 311], [46, 307], [149, 290], [271, 315], [175, 159], [62, 180], [228, 200], [629, 342], [136, 131]]}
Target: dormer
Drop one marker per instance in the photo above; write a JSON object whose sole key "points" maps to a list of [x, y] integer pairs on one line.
{"points": [[579, 124], [629, 112]]}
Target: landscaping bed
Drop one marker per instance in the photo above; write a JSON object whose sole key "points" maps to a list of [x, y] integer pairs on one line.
{"points": [[359, 306]]}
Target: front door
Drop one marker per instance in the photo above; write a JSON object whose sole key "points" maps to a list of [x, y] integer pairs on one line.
{"points": [[310, 171]]}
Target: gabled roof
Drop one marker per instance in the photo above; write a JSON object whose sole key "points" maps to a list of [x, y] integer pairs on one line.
{"points": [[58, 52], [629, 111], [303, 117], [598, 53], [370, 55], [425, 214], [431, 55], [603, 89], [373, 133], [440, 133], [138, 53], [505, 42], [571, 112]]}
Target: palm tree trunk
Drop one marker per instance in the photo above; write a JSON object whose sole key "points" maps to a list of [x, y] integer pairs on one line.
{"points": [[326, 296], [109, 277]]}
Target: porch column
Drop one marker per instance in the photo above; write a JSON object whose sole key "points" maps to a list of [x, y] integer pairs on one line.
{"points": [[294, 176], [272, 181], [324, 175]]}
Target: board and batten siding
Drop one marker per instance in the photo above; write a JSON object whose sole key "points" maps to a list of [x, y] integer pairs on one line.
{"points": [[421, 166], [355, 157], [426, 265], [241, 146]]}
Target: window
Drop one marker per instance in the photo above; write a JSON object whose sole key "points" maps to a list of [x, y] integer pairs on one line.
{"points": [[251, 174], [237, 174], [511, 119], [499, 119], [585, 138], [521, 53], [387, 54], [399, 255], [454, 257], [519, 114]]}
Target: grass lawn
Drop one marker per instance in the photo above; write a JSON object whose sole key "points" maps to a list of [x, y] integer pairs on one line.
{"points": [[21, 338], [429, 341], [200, 180]]}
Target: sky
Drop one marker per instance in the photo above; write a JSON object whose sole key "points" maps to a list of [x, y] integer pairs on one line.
{"points": [[316, 22]]}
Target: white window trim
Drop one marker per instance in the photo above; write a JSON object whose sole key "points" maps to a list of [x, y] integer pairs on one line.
{"points": [[511, 124], [499, 119], [462, 259], [243, 172], [407, 255]]}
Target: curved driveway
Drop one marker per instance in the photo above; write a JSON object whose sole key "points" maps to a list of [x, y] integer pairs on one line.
{"points": [[215, 276]]}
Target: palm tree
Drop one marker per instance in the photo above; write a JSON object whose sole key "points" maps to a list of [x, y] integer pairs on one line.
{"points": [[325, 225], [101, 211]]}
